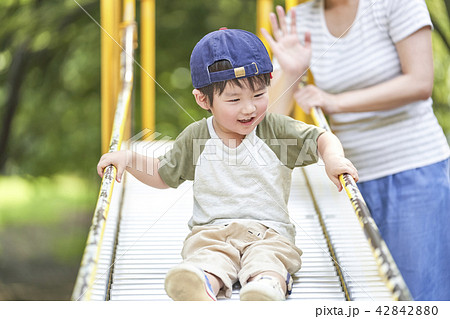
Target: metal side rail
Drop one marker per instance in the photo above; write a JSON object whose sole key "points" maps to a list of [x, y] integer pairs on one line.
{"points": [[353, 253], [90, 282], [100, 287]]}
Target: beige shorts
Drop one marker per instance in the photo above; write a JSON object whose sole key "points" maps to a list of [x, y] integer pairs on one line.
{"points": [[240, 250]]}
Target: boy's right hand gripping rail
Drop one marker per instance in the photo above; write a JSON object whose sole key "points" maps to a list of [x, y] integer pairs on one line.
{"points": [[386, 264]]}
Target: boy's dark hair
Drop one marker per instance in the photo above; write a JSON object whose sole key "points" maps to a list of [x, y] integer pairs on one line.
{"points": [[252, 82]]}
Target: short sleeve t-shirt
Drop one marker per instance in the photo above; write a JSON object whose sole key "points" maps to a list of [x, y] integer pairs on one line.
{"points": [[249, 182], [379, 143]]}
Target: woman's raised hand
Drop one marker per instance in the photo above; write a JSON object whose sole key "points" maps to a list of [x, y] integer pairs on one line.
{"points": [[291, 54]]}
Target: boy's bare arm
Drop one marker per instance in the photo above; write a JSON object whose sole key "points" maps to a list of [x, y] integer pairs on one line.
{"points": [[144, 168], [332, 154]]}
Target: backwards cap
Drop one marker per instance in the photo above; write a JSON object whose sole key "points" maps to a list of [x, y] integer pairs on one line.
{"points": [[244, 50]]}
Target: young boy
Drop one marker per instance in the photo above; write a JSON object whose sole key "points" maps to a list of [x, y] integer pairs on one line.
{"points": [[240, 160]]}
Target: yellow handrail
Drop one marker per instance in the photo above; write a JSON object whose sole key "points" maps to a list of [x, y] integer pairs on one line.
{"points": [[148, 64], [386, 264], [88, 270], [110, 60]]}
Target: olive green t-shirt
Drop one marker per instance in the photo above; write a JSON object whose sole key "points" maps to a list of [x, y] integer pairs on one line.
{"points": [[249, 182]]}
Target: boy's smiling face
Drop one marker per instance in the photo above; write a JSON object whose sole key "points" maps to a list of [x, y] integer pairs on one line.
{"points": [[237, 111]]}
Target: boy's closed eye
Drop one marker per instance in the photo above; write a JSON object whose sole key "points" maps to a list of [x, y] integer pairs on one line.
{"points": [[256, 96]]}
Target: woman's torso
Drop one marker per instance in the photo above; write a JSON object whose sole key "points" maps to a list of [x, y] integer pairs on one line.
{"points": [[383, 142]]}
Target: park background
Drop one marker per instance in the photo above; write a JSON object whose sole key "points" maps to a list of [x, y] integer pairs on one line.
{"points": [[50, 121]]}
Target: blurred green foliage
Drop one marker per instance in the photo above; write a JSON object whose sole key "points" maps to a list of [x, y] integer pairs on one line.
{"points": [[440, 12], [49, 58], [50, 69], [44, 200], [44, 223]]}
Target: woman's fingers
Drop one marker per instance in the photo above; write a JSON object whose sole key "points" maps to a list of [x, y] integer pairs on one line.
{"points": [[282, 19], [275, 28], [278, 23], [304, 99], [307, 40], [268, 37], [293, 22]]}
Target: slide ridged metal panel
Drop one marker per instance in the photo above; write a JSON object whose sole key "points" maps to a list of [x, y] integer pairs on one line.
{"points": [[154, 225]]}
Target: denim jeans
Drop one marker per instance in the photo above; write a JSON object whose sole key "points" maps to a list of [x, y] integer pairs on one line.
{"points": [[412, 211]]}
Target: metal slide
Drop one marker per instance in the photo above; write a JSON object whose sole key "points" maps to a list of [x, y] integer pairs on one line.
{"points": [[146, 227]]}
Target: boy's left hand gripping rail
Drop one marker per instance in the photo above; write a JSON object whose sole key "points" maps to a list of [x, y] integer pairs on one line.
{"points": [[88, 270]]}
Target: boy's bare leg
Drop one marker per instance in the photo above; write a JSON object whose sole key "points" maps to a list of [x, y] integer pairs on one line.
{"points": [[272, 274], [216, 282]]}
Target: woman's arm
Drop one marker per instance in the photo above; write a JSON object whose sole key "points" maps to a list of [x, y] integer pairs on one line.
{"points": [[414, 84], [281, 92]]}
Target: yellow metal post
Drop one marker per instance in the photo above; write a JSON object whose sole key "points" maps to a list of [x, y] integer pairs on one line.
{"points": [[129, 11], [298, 112], [263, 8], [148, 64], [117, 51], [292, 3], [110, 51], [107, 21], [129, 18]]}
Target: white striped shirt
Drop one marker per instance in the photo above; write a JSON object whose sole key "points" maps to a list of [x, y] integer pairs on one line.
{"points": [[378, 143]]}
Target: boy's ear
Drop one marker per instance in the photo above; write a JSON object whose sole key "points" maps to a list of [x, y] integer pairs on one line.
{"points": [[201, 99]]}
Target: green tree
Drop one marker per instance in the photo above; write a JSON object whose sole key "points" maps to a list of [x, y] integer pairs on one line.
{"points": [[49, 86], [440, 13]]}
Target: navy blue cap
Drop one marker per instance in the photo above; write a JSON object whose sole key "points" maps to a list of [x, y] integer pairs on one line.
{"points": [[244, 50]]}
